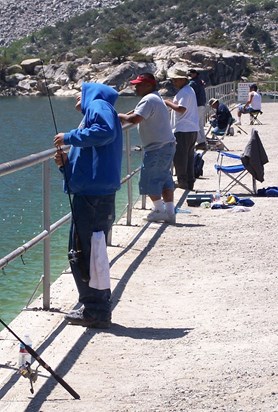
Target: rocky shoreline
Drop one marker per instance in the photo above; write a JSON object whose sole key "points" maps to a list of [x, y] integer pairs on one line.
{"points": [[64, 78]]}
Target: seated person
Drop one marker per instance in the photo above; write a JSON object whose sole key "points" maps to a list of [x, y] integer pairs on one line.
{"points": [[221, 118], [253, 104]]}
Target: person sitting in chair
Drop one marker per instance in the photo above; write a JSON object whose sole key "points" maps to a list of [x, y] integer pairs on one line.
{"points": [[253, 104], [222, 117]]}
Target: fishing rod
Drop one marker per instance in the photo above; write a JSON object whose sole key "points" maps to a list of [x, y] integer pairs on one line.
{"points": [[33, 374], [74, 256]]}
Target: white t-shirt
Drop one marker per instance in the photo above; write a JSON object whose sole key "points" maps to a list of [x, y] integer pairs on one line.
{"points": [[256, 103], [155, 130], [189, 120]]}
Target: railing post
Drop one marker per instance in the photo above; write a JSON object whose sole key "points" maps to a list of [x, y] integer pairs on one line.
{"points": [[144, 197], [129, 182], [46, 242]]}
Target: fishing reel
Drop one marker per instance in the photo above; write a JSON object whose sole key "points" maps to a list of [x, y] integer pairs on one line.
{"points": [[27, 372], [73, 256], [76, 257]]}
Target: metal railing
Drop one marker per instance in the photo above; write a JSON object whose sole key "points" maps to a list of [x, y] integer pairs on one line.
{"points": [[227, 93], [48, 228]]}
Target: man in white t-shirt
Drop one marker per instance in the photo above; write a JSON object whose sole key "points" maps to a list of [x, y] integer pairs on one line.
{"points": [[185, 125], [253, 104], [152, 117]]}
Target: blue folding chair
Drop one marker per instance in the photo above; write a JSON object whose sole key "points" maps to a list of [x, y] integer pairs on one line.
{"points": [[235, 172], [251, 161]]}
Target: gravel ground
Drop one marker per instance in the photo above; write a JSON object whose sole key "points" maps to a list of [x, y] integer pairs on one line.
{"points": [[195, 314]]}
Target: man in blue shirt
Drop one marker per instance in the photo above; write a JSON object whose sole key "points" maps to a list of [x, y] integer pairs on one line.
{"points": [[199, 88], [221, 118], [92, 173]]}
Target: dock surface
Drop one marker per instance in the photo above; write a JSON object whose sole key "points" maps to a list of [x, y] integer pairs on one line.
{"points": [[195, 313]]}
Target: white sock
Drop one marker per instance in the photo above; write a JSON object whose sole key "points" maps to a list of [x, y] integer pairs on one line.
{"points": [[170, 208], [159, 205]]}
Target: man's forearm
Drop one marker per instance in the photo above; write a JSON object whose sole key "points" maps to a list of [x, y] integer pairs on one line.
{"points": [[174, 106], [130, 118]]}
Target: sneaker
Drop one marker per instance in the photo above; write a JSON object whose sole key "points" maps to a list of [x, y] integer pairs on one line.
{"points": [[157, 216], [231, 131], [78, 318], [75, 312], [171, 218]]}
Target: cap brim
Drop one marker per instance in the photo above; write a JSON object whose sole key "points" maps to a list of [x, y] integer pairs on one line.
{"points": [[177, 77], [136, 81]]}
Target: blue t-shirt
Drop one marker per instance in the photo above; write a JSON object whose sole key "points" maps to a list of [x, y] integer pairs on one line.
{"points": [[199, 89], [223, 116]]}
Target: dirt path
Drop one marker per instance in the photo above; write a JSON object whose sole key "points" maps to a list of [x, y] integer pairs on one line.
{"points": [[195, 315]]}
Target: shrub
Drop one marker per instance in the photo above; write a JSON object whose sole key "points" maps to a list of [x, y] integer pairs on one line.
{"points": [[269, 5], [250, 9], [71, 71], [120, 43]]}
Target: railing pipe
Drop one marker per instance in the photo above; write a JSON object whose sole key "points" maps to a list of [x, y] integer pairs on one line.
{"points": [[33, 242]]}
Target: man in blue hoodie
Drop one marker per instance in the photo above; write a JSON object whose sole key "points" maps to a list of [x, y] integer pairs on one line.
{"points": [[92, 173]]}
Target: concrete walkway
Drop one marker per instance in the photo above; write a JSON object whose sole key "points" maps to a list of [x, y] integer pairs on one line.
{"points": [[194, 313]]}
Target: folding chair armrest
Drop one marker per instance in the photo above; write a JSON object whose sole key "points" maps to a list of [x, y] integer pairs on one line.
{"points": [[228, 154]]}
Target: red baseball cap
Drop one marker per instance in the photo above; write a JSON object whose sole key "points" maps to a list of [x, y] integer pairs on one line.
{"points": [[142, 78]]}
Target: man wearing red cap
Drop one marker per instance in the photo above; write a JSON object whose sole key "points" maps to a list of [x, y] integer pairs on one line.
{"points": [[152, 117]]}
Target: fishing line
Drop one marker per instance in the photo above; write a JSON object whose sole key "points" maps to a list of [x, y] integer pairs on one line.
{"points": [[74, 256], [48, 95]]}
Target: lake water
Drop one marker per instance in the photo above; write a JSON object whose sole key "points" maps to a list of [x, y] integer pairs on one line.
{"points": [[27, 127]]}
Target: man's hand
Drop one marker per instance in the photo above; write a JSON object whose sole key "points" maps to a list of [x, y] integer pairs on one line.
{"points": [[174, 106], [60, 157], [130, 118], [59, 140]]}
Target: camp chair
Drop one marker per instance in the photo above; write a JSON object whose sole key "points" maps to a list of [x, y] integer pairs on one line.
{"points": [[216, 139], [254, 117], [250, 162], [240, 129]]}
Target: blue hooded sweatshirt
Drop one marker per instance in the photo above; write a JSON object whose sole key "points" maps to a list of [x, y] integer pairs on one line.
{"points": [[94, 160]]}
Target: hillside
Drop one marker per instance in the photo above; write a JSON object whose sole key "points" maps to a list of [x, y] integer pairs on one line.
{"points": [[55, 27], [14, 15]]}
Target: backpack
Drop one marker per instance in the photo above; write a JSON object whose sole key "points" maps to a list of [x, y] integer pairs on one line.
{"points": [[198, 164]]}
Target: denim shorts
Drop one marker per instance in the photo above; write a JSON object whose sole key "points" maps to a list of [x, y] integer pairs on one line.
{"points": [[246, 110], [156, 170]]}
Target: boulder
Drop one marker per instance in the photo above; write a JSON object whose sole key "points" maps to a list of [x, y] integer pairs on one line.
{"points": [[121, 75], [27, 84], [13, 80], [53, 87], [66, 92], [29, 65], [217, 65], [15, 68]]}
